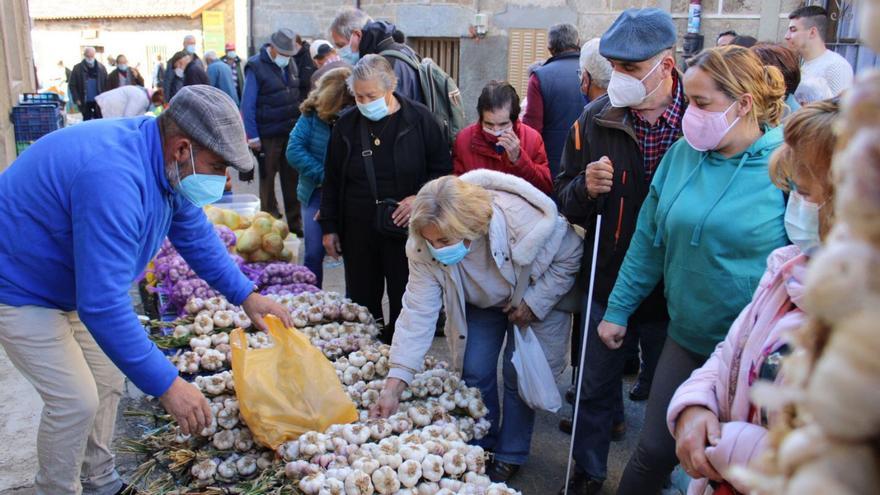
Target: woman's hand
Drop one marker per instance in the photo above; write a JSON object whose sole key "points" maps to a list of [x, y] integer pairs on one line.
{"points": [[389, 398], [697, 428], [400, 217], [612, 335], [510, 142], [332, 245], [520, 316]]}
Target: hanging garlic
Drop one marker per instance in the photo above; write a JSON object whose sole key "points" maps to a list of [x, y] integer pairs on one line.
{"points": [[432, 467], [312, 484], [409, 473], [359, 483], [385, 480]]}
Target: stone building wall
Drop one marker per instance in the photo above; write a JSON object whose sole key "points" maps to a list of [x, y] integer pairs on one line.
{"points": [[487, 58]]}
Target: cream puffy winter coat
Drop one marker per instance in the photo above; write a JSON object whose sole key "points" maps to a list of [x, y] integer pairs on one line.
{"points": [[525, 228]]}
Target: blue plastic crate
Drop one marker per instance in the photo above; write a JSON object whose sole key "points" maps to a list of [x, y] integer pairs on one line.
{"points": [[31, 122], [41, 99]]}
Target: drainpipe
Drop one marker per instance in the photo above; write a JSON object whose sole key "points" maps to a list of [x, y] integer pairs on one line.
{"points": [[693, 40], [251, 49]]}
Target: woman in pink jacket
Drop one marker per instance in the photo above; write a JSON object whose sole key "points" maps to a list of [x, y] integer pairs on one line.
{"points": [[714, 423]]}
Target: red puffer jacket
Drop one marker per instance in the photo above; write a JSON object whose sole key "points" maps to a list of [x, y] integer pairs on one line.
{"points": [[473, 150]]}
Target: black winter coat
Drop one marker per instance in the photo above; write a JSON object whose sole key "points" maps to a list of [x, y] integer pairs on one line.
{"points": [[77, 84], [421, 154], [603, 130]]}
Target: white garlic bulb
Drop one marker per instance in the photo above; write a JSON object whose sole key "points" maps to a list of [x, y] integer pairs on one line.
{"points": [[380, 429], [432, 467], [359, 483], [312, 484], [385, 480], [224, 440], [454, 463], [413, 452], [356, 434], [427, 488], [409, 473], [365, 465], [246, 465], [204, 470]]}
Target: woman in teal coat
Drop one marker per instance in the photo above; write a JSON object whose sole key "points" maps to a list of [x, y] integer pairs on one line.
{"points": [[710, 220], [306, 150]]}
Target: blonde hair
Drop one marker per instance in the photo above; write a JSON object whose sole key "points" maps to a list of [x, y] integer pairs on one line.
{"points": [[738, 71], [810, 142], [456, 208], [329, 96]]}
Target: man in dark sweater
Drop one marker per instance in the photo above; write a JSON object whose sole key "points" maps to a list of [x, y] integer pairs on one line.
{"points": [[193, 73]]}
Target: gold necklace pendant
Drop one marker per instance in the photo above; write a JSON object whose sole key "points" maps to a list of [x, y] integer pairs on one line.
{"points": [[377, 142]]}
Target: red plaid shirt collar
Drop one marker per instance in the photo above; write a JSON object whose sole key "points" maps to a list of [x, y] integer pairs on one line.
{"points": [[655, 139]]}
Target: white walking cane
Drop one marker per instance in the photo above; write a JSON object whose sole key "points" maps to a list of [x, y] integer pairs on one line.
{"points": [[586, 317]]}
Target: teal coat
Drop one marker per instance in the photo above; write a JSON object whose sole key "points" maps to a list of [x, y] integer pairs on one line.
{"points": [[306, 150], [706, 229]]}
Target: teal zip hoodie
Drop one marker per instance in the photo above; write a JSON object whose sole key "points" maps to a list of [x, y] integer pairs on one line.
{"points": [[706, 228]]}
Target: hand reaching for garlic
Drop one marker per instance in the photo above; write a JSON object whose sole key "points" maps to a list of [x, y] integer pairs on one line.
{"points": [[389, 398], [257, 307], [188, 406]]}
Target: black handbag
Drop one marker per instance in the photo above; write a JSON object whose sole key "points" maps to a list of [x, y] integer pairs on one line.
{"points": [[384, 207]]}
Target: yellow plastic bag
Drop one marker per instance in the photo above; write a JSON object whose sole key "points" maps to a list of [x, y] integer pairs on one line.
{"points": [[289, 389]]}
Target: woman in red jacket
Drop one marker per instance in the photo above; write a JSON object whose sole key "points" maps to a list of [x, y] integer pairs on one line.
{"points": [[499, 141]]}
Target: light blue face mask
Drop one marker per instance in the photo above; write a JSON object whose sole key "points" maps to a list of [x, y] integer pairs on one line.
{"points": [[122, 67], [346, 53], [190, 49], [281, 61], [449, 255], [230, 54], [374, 110], [201, 189]]}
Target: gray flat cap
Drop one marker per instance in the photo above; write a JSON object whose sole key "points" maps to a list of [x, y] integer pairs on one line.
{"points": [[210, 117], [638, 34], [283, 41]]}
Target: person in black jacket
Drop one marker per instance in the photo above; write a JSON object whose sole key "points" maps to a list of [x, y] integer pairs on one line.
{"points": [[607, 162], [378, 37], [270, 108], [193, 73], [407, 149], [88, 79]]}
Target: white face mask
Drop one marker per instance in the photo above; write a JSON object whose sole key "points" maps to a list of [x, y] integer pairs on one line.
{"points": [[178, 72], [802, 223], [625, 90]]}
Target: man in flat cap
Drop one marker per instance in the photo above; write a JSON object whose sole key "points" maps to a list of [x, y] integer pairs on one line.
{"points": [[270, 108], [93, 203], [609, 158]]}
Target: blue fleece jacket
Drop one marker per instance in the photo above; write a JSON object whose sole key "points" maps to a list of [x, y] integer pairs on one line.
{"points": [[84, 210], [306, 151], [706, 229]]}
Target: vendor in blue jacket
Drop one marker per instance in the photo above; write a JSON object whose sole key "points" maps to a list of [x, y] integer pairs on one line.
{"points": [[84, 210]]}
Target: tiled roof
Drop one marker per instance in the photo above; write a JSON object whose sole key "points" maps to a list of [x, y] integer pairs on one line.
{"points": [[103, 9]]}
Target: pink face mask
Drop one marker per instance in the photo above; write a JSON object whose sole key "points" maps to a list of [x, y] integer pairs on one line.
{"points": [[703, 129]]}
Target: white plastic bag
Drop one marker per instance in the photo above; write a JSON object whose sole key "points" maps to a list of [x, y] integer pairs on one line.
{"points": [[535, 380]]}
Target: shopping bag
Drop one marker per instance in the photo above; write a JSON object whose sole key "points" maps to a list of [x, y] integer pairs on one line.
{"points": [[287, 390], [535, 381]]}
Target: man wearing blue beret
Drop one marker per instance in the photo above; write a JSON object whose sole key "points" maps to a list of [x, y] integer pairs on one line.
{"points": [[608, 160]]}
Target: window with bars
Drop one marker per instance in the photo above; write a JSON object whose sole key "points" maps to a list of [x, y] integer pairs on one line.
{"points": [[843, 34], [525, 47], [445, 52]]}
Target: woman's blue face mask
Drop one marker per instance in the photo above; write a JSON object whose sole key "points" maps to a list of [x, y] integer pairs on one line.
{"points": [[449, 255]]}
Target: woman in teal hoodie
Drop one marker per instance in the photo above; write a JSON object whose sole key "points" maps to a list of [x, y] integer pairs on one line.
{"points": [[710, 220], [306, 150]]}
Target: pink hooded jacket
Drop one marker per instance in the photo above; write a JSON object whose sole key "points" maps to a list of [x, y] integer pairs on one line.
{"points": [[722, 384]]}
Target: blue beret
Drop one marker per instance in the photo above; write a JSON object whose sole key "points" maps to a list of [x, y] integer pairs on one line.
{"points": [[638, 34]]}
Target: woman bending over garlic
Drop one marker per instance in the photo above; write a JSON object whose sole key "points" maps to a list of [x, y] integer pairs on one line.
{"points": [[714, 423], [469, 239]]}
